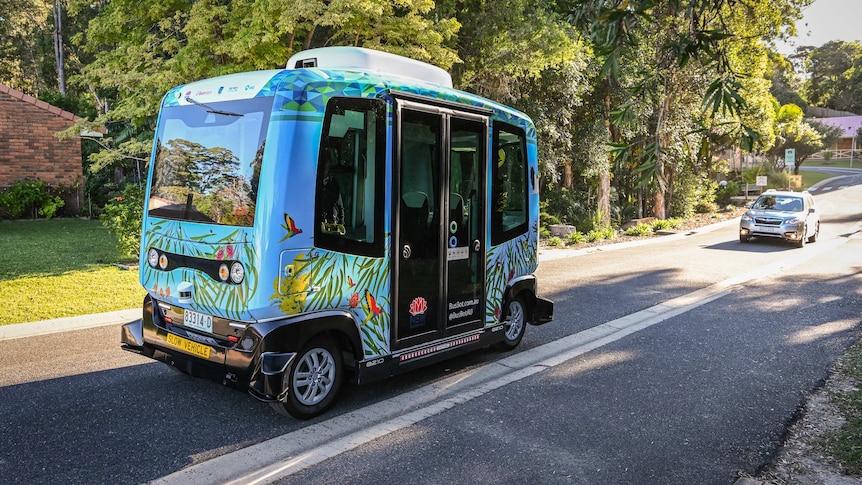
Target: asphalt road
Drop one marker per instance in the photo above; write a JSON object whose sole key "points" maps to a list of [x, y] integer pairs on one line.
{"points": [[698, 396]]}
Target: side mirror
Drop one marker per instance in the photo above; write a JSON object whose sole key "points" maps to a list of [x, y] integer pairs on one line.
{"points": [[811, 210]]}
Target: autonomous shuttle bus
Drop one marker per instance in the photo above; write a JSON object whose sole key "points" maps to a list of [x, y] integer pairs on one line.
{"points": [[350, 216]]}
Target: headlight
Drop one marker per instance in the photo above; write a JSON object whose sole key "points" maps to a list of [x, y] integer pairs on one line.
{"points": [[792, 220], [153, 257], [237, 273], [163, 262], [747, 217]]}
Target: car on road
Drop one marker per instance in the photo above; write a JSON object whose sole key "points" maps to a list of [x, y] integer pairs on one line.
{"points": [[787, 215]]}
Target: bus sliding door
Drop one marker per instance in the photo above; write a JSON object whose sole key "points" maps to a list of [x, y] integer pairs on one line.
{"points": [[439, 269]]}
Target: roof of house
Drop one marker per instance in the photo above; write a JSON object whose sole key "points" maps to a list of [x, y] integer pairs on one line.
{"points": [[847, 123], [38, 103]]}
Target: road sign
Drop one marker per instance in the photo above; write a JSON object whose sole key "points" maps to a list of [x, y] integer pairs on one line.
{"points": [[790, 156], [760, 180]]}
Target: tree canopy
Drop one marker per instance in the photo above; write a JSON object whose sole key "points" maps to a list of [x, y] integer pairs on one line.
{"points": [[635, 101]]}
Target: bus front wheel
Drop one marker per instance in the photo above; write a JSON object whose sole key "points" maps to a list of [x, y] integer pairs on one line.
{"points": [[516, 324], [313, 379]]}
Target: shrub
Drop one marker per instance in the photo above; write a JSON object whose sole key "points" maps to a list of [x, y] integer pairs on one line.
{"points": [[639, 230], [123, 217], [661, 224], [599, 234], [554, 242], [723, 194], [30, 197], [703, 207], [577, 237]]}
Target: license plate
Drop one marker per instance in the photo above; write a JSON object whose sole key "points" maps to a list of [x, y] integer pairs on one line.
{"points": [[769, 229], [199, 321], [189, 346]]}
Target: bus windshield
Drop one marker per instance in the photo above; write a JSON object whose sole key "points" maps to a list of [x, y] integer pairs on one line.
{"points": [[207, 163]]}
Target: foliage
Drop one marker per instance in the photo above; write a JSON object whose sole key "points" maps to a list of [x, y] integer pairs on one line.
{"points": [[693, 194], [603, 233], [123, 217], [725, 192], [554, 242], [703, 207], [775, 178], [568, 207], [30, 198], [642, 229], [833, 75], [577, 237], [663, 224]]}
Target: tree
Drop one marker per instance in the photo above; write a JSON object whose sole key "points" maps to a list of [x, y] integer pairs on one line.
{"points": [[679, 34], [828, 67], [805, 137]]}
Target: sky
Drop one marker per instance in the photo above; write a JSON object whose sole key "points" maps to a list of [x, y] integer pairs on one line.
{"points": [[826, 20]]}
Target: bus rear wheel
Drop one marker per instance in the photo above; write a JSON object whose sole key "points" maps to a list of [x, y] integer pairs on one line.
{"points": [[516, 324], [313, 379]]}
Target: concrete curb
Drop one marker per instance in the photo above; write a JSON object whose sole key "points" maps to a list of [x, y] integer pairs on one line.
{"points": [[44, 327]]}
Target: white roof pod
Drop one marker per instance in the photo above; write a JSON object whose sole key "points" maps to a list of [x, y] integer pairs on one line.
{"points": [[358, 58]]}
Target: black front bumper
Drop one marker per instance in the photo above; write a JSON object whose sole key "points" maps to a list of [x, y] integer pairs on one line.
{"points": [[261, 373]]}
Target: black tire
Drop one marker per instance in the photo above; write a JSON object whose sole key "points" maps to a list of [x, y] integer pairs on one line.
{"points": [[516, 324], [745, 239], [813, 238], [800, 243], [313, 379]]}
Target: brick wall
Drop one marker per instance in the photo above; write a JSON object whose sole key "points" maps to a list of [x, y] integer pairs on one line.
{"points": [[29, 147]]}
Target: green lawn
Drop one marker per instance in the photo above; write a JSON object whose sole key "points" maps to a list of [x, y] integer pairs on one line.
{"points": [[811, 178], [62, 267], [835, 163]]}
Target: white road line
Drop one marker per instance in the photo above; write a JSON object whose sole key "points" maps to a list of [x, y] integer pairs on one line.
{"points": [[280, 457]]}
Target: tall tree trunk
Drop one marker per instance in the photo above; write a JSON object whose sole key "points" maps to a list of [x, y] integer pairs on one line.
{"points": [[603, 202], [59, 47], [660, 200]]}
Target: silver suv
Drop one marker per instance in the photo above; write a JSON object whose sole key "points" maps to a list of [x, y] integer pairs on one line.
{"points": [[787, 215]]}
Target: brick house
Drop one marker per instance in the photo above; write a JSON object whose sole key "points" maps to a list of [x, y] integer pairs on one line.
{"points": [[30, 149]]}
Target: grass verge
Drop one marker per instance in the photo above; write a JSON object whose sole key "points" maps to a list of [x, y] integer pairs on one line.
{"points": [[62, 267], [845, 443]]}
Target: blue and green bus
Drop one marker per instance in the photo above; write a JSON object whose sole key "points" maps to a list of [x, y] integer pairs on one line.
{"points": [[349, 217]]}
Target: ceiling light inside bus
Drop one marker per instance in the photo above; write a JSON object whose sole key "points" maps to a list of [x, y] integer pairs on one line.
{"points": [[237, 273], [223, 272]]}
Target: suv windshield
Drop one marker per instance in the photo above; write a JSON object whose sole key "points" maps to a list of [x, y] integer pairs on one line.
{"points": [[779, 203], [207, 163]]}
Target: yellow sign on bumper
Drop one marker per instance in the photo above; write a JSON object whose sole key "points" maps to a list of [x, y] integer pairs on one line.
{"points": [[189, 346]]}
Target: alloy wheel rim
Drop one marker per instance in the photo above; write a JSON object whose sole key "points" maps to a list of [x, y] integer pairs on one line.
{"points": [[516, 321], [314, 376]]}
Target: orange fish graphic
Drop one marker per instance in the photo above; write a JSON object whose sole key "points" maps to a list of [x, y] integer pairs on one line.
{"points": [[371, 307]]}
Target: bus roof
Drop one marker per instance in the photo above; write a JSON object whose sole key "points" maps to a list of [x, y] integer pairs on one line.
{"points": [[323, 82], [367, 60]]}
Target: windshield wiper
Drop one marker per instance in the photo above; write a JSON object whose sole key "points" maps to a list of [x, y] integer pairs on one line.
{"points": [[210, 109]]}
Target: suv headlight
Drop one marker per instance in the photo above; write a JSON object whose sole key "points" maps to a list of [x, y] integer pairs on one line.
{"points": [[792, 220], [747, 217]]}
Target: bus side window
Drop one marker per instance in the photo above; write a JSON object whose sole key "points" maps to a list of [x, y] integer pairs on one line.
{"points": [[509, 183], [348, 204]]}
